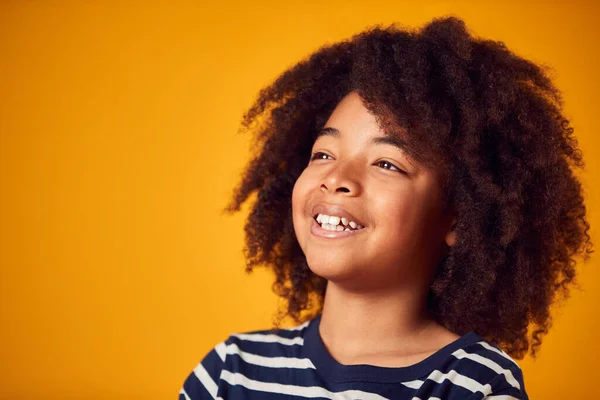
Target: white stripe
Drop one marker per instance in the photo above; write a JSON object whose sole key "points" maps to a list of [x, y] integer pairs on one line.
{"points": [[304, 391], [184, 394], [272, 362], [429, 398], [221, 351], [413, 384], [490, 364], [299, 327], [501, 397], [269, 338], [206, 380], [501, 352], [460, 380]]}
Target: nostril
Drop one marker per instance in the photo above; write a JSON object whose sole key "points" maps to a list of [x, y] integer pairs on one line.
{"points": [[343, 189]]}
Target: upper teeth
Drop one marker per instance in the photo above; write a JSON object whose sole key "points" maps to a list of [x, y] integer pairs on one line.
{"points": [[330, 222]]}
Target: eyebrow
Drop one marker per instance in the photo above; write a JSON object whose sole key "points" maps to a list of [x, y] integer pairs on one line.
{"points": [[391, 140]]}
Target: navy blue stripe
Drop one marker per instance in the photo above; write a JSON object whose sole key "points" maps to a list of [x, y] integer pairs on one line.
{"points": [[282, 376], [240, 392], [445, 390], [392, 391], [213, 365], [195, 389]]}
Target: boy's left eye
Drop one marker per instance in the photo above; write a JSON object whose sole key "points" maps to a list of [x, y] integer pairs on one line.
{"points": [[319, 155], [388, 165]]}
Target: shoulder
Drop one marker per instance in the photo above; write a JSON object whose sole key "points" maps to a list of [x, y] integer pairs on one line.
{"points": [[487, 370], [267, 342], [242, 356], [253, 347]]}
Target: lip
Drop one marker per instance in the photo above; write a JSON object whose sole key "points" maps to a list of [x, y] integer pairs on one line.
{"points": [[316, 230], [334, 209]]}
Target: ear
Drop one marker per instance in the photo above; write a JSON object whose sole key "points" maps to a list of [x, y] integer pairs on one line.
{"points": [[450, 237]]}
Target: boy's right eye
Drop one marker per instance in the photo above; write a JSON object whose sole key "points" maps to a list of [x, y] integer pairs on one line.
{"points": [[319, 155]]}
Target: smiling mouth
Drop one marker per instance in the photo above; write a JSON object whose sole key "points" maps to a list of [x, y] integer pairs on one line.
{"points": [[336, 224]]}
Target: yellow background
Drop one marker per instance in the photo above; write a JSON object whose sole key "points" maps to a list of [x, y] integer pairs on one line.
{"points": [[119, 148]]}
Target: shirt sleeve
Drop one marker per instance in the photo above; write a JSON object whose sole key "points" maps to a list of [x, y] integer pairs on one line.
{"points": [[203, 382]]}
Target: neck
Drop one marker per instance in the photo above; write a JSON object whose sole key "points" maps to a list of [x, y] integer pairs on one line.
{"points": [[354, 324]]}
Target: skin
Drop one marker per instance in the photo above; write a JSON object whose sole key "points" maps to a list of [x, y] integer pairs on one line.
{"points": [[378, 279]]}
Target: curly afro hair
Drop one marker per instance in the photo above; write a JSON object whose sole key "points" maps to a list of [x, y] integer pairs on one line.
{"points": [[491, 119]]}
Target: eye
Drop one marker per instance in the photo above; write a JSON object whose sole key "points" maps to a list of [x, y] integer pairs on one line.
{"points": [[388, 165], [319, 155]]}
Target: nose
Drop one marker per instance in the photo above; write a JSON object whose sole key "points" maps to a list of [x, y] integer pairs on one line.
{"points": [[342, 179]]}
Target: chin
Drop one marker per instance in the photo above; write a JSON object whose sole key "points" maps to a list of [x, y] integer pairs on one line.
{"points": [[332, 270]]}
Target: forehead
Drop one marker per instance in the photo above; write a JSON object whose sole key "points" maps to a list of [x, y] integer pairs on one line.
{"points": [[352, 113]]}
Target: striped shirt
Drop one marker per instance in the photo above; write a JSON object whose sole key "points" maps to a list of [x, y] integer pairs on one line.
{"points": [[294, 363]]}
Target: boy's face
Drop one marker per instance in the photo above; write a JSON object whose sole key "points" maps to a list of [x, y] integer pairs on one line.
{"points": [[354, 174]]}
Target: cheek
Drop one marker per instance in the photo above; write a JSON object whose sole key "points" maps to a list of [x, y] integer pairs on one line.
{"points": [[399, 217], [296, 196], [394, 207], [301, 190], [299, 194]]}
